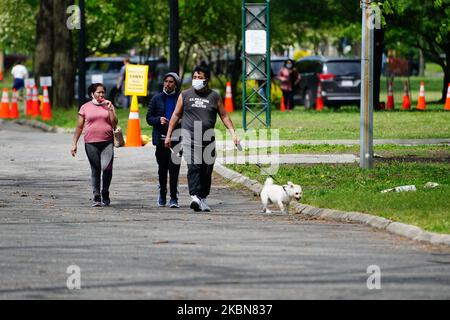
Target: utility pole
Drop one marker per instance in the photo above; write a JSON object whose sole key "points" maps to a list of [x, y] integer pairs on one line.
{"points": [[366, 109], [174, 60], [82, 57]]}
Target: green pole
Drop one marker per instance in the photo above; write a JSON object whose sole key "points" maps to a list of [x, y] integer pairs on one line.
{"points": [[244, 80], [268, 85]]}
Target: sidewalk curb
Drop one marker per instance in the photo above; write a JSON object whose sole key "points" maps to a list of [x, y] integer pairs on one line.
{"points": [[401, 229], [42, 126]]}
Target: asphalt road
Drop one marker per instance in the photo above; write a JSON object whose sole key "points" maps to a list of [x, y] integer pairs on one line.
{"points": [[135, 250]]}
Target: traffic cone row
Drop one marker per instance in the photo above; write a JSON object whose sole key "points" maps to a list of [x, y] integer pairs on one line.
{"points": [[282, 106], [35, 112], [134, 138], [319, 98], [4, 107], [390, 99], [447, 101], [421, 104], [28, 101], [406, 105], [228, 98], [46, 110], [14, 112]]}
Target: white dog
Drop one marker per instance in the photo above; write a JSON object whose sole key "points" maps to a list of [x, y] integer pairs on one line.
{"points": [[280, 195]]}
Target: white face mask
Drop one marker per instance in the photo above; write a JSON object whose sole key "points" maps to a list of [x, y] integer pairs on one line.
{"points": [[168, 93], [198, 84], [100, 101]]}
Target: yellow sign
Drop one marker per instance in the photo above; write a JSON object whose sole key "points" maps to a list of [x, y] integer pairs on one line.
{"points": [[136, 79]]}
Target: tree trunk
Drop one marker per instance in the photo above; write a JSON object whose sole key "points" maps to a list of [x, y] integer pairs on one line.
{"points": [[421, 64], [43, 58], [63, 63]]}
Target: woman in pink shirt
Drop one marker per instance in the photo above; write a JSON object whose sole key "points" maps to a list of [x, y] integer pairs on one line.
{"points": [[98, 118], [289, 78]]}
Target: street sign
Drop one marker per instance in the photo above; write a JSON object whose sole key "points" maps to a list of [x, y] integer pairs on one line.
{"points": [[255, 41], [97, 78], [45, 81], [136, 79], [30, 82]]}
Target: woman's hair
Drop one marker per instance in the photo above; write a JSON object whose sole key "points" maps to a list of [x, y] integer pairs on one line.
{"points": [[93, 87]]}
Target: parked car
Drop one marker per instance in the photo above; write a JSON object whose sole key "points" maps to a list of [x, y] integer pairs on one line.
{"points": [[108, 68], [340, 80]]}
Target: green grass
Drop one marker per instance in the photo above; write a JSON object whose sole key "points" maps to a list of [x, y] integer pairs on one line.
{"points": [[349, 188], [385, 150], [303, 125]]}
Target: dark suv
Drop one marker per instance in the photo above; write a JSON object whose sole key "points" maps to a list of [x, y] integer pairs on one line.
{"points": [[340, 80]]}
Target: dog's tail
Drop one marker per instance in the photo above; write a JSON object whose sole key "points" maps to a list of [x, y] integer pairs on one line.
{"points": [[269, 182]]}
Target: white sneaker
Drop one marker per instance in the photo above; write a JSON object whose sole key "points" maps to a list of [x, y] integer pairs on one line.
{"points": [[204, 206], [195, 203]]}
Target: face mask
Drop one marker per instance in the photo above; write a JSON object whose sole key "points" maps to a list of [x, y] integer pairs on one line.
{"points": [[289, 66], [168, 93], [99, 101], [198, 84]]}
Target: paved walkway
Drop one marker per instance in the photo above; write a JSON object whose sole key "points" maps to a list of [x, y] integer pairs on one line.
{"points": [[135, 250]]}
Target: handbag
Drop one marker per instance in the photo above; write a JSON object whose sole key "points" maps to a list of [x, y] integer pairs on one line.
{"points": [[118, 137]]}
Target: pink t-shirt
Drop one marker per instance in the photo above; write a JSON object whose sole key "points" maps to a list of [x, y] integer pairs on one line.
{"points": [[98, 126]]}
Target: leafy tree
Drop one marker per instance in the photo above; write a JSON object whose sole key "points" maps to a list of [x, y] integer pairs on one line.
{"points": [[424, 25]]}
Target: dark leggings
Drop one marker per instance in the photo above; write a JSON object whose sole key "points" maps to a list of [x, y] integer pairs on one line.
{"points": [[166, 165], [288, 99], [100, 155]]}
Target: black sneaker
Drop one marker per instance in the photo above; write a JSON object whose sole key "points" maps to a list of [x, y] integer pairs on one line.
{"points": [[105, 199], [162, 200], [173, 203], [97, 201]]}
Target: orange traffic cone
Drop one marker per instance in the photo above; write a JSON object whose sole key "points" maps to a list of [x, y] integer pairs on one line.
{"points": [[35, 112], [134, 126], [46, 109], [421, 104], [406, 101], [447, 101], [282, 106], [29, 101], [390, 99], [319, 99], [228, 98], [14, 112], [4, 108]]}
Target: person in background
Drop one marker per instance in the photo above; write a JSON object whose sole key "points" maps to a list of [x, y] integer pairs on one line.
{"points": [[159, 113], [19, 73], [99, 118], [289, 78], [120, 85]]}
